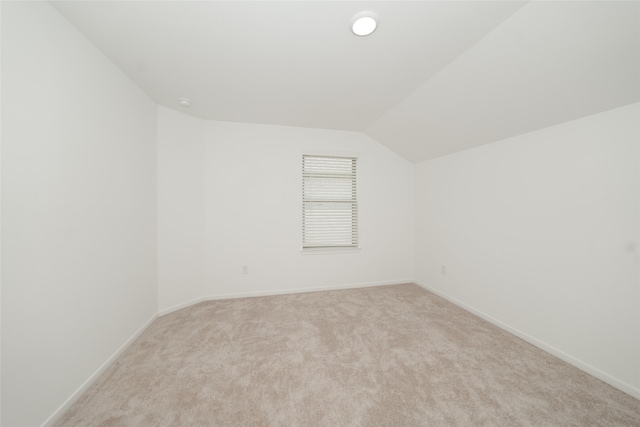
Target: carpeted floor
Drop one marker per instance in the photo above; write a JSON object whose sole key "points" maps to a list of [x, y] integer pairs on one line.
{"points": [[383, 356]]}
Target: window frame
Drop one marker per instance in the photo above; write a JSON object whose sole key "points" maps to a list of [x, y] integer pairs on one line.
{"points": [[354, 214]]}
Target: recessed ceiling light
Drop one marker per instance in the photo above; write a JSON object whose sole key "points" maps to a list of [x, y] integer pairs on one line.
{"points": [[184, 102], [364, 24]]}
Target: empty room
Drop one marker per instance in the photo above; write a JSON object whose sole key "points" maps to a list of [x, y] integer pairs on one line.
{"points": [[320, 213]]}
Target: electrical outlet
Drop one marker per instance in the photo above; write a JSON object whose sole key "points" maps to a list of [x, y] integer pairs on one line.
{"points": [[443, 270], [244, 269]]}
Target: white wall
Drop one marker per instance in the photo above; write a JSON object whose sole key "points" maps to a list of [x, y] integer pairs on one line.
{"points": [[0, 224], [78, 212], [253, 190], [230, 195], [180, 208], [540, 232]]}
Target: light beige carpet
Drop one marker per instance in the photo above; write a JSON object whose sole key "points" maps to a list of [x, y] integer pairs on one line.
{"points": [[384, 356]]}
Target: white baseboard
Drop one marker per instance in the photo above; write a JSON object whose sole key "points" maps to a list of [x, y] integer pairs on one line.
{"points": [[304, 290], [89, 382], [180, 306], [281, 292], [612, 381]]}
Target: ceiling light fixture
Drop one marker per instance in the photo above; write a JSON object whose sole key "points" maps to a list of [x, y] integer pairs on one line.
{"points": [[364, 23], [184, 102]]}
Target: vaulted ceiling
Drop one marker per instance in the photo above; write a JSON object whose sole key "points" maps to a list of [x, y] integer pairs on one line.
{"points": [[435, 77]]}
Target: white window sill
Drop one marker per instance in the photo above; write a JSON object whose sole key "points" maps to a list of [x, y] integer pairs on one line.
{"points": [[320, 251]]}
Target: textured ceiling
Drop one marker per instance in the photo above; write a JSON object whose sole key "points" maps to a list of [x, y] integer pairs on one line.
{"points": [[436, 77]]}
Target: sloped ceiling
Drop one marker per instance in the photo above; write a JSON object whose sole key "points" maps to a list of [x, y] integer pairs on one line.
{"points": [[549, 63], [436, 76]]}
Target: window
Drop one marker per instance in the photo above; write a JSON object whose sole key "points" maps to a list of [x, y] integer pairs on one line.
{"points": [[329, 205]]}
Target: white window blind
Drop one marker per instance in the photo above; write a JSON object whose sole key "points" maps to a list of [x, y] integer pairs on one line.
{"points": [[329, 204]]}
